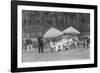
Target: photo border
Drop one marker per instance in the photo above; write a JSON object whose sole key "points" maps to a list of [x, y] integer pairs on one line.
{"points": [[14, 41]]}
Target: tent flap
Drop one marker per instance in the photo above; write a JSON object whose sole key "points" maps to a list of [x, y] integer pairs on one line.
{"points": [[71, 30], [52, 32]]}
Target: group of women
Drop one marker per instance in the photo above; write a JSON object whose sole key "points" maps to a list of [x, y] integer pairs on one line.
{"points": [[69, 43]]}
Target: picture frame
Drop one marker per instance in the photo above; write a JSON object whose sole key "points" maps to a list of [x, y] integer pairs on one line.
{"points": [[15, 18]]}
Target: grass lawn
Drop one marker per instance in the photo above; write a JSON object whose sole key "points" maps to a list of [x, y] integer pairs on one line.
{"points": [[72, 54]]}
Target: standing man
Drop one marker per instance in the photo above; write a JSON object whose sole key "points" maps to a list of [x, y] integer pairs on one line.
{"points": [[29, 44], [88, 42], [84, 41], [40, 43]]}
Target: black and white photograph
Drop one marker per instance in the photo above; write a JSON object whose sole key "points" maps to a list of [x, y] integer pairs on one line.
{"points": [[51, 36]]}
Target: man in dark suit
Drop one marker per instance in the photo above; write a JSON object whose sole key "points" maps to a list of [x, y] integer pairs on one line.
{"points": [[88, 42], [40, 43], [29, 43]]}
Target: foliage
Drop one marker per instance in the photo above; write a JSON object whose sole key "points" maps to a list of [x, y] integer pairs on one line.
{"points": [[41, 21]]}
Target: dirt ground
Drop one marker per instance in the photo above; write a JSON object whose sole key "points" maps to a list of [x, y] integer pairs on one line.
{"points": [[47, 55]]}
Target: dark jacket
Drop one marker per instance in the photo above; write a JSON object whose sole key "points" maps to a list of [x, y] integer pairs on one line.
{"points": [[28, 41], [40, 41]]}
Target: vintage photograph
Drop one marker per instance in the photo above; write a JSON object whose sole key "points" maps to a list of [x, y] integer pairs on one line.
{"points": [[52, 36], [55, 36]]}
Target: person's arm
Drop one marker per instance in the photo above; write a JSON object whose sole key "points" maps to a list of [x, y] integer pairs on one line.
{"points": [[38, 39], [30, 41], [26, 41]]}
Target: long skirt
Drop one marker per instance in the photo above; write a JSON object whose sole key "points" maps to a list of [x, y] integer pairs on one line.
{"points": [[29, 47]]}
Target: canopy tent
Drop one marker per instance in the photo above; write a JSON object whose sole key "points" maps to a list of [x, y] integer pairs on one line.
{"points": [[52, 32], [71, 30]]}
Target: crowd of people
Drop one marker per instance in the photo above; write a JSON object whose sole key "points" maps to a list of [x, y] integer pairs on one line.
{"points": [[63, 44]]}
